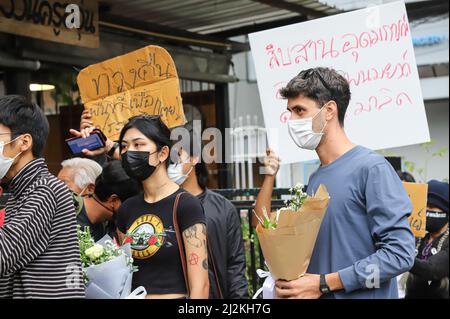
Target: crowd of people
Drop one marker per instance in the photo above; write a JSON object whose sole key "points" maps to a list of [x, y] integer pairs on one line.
{"points": [[121, 191], [132, 188]]}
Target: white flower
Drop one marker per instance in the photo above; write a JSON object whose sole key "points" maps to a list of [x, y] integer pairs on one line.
{"points": [[94, 252]]}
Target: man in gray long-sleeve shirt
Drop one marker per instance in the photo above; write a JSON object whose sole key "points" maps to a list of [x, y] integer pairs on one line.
{"points": [[365, 240], [365, 235]]}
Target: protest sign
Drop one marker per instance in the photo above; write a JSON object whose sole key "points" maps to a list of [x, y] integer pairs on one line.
{"points": [[418, 193], [144, 81], [372, 48]]}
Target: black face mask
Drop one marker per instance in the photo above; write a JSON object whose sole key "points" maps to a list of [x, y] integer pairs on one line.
{"points": [[436, 221], [135, 164]]}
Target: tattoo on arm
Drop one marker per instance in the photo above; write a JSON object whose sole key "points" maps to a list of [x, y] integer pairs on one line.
{"points": [[195, 237], [192, 235], [193, 259]]}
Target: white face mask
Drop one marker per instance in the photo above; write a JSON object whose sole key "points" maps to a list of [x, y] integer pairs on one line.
{"points": [[6, 162], [175, 172], [302, 133]]}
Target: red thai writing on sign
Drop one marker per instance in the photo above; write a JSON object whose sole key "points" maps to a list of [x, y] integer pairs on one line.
{"points": [[314, 50]]}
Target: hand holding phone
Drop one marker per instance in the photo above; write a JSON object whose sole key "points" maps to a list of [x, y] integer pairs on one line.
{"points": [[90, 142]]}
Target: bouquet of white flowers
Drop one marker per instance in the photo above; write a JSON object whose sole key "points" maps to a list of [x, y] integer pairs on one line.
{"points": [[288, 236], [298, 197], [107, 268]]}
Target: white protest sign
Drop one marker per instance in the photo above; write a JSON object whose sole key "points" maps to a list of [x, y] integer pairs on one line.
{"points": [[372, 48]]}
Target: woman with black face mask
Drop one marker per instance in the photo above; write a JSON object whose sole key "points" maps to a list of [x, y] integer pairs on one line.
{"points": [[165, 225], [428, 278]]}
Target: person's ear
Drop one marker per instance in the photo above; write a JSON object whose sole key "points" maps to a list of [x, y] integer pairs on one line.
{"points": [[331, 110], [25, 142], [90, 189], [164, 154], [115, 201], [195, 160]]}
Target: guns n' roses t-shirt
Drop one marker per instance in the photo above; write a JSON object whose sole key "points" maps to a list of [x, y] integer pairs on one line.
{"points": [[150, 231]]}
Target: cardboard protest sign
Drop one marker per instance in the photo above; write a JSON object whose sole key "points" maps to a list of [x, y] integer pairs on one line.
{"points": [[373, 50], [418, 193], [144, 81]]}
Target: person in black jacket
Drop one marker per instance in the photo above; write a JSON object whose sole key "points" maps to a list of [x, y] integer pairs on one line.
{"points": [[428, 278], [223, 223]]}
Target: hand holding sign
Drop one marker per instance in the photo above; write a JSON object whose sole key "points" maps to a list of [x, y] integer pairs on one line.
{"points": [[140, 82], [86, 121]]}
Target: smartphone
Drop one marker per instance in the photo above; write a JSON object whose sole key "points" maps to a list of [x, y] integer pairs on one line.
{"points": [[93, 142]]}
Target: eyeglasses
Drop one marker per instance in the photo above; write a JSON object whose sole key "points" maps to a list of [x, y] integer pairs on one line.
{"points": [[310, 72]]}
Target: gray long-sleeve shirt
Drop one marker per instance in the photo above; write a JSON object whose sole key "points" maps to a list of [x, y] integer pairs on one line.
{"points": [[365, 234]]}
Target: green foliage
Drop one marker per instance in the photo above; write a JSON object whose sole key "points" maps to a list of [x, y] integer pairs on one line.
{"points": [[431, 153], [66, 88], [249, 238]]}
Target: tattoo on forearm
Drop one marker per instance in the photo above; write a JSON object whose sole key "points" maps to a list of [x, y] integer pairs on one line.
{"points": [[192, 235], [195, 237], [205, 264], [193, 259]]}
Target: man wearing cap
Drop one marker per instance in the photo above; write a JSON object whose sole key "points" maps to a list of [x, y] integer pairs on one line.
{"points": [[429, 277]]}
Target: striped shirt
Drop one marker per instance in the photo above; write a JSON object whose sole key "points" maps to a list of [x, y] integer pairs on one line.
{"points": [[39, 250]]}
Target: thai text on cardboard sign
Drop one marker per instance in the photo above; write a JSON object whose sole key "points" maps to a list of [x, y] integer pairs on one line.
{"points": [[144, 81], [418, 193]]}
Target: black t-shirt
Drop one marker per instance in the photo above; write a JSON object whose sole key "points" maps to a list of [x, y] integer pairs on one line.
{"points": [[150, 230]]}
